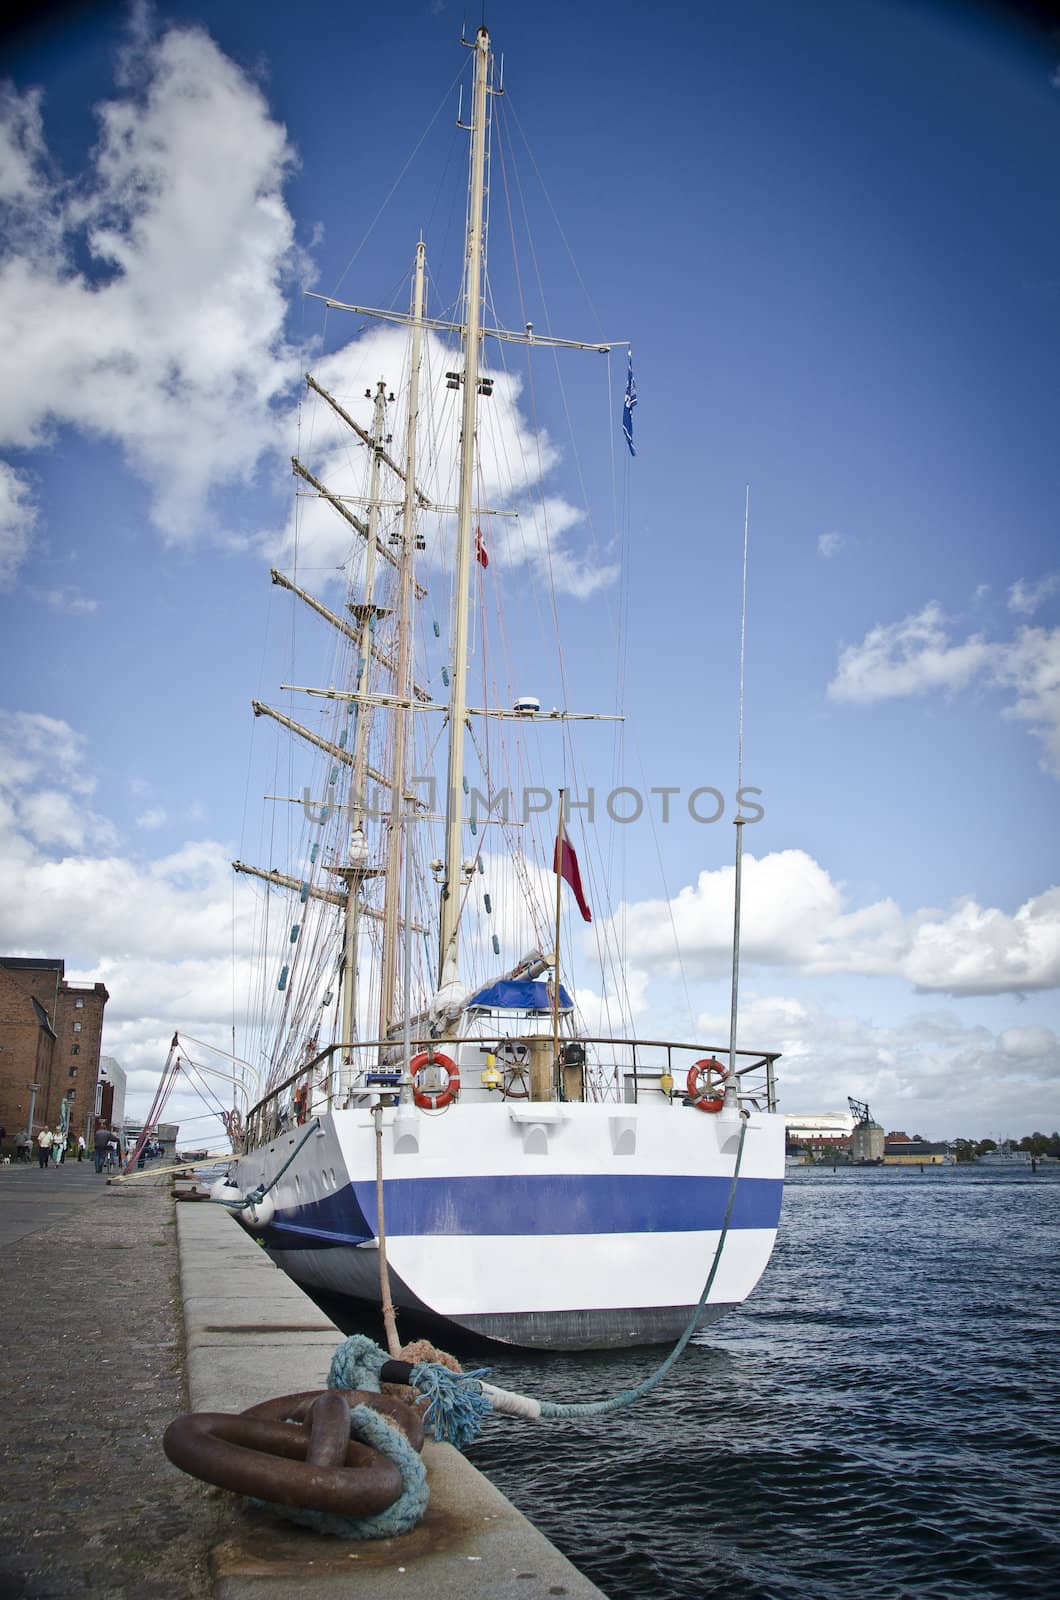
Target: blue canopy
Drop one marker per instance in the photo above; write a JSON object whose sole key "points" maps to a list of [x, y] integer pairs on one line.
{"points": [[519, 994]]}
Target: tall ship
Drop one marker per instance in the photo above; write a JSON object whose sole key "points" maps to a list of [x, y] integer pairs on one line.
{"points": [[447, 1118]]}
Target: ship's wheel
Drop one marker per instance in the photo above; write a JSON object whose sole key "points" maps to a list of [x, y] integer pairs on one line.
{"points": [[513, 1058]]}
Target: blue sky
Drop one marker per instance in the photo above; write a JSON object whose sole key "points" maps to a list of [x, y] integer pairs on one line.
{"points": [[828, 231]]}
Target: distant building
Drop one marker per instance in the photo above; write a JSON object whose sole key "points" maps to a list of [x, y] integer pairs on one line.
{"points": [[165, 1135], [818, 1130], [50, 1033], [866, 1142], [110, 1092], [901, 1151], [809, 1135]]}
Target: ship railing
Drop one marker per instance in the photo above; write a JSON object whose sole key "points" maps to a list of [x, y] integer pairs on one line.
{"points": [[314, 1085], [648, 1067], [627, 1070]]}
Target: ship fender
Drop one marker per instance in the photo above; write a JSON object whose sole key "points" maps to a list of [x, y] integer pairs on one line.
{"points": [[227, 1193], [255, 1209], [435, 1099], [258, 1213], [715, 1071]]}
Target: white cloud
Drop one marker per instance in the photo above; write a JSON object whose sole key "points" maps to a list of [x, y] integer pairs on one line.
{"points": [[931, 1074], [514, 463], [158, 932], [789, 903], [913, 656], [537, 540], [22, 150], [917, 656], [18, 517], [68, 601], [1025, 597], [829, 544], [1031, 666], [34, 748], [1026, 1043], [144, 304], [795, 916], [53, 820], [982, 950], [169, 341], [153, 817]]}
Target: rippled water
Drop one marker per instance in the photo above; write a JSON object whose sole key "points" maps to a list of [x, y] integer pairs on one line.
{"points": [[881, 1418]]}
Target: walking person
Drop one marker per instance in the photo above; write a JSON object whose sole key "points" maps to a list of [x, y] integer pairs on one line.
{"points": [[44, 1147], [81, 1147], [113, 1161], [100, 1142], [58, 1147]]}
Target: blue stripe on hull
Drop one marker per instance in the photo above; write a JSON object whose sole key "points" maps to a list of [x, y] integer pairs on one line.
{"points": [[566, 1203]]}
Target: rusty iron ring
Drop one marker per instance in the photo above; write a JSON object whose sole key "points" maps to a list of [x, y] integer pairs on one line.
{"points": [[294, 1407], [316, 1466]]}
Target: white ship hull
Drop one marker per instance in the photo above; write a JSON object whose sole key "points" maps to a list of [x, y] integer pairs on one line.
{"points": [[557, 1225]]}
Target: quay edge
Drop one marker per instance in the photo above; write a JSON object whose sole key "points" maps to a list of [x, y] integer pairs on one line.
{"points": [[250, 1334]]}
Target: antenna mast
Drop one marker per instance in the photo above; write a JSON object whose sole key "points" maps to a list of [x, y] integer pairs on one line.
{"points": [[732, 1097]]}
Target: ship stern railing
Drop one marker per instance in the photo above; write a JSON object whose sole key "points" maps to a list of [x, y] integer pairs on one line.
{"points": [[628, 1071]]}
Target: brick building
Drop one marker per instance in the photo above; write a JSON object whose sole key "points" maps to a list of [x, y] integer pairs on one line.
{"points": [[50, 1033]]}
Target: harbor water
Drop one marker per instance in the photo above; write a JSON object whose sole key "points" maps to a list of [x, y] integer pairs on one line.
{"points": [[881, 1418]]}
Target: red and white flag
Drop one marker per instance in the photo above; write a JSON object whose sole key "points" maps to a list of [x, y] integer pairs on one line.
{"points": [[480, 549], [565, 862]]}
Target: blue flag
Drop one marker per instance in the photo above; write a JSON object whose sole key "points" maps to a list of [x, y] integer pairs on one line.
{"points": [[627, 406]]}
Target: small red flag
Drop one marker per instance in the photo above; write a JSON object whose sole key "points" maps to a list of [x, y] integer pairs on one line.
{"points": [[565, 862], [480, 549]]}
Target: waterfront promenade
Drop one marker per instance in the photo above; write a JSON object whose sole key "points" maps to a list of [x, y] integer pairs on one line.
{"points": [[90, 1325], [120, 1310]]}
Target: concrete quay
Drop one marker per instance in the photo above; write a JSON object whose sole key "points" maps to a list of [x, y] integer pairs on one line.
{"points": [[119, 1310], [90, 1326], [250, 1334]]}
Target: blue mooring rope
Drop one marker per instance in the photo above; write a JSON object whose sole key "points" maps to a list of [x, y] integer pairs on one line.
{"points": [[454, 1402], [597, 1408], [357, 1364], [458, 1402]]}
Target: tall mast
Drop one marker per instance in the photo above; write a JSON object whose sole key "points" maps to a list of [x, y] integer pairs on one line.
{"points": [[452, 879], [357, 868], [403, 672]]}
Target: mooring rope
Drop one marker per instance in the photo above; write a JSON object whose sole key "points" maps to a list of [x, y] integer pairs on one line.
{"points": [[456, 1403], [254, 1197]]}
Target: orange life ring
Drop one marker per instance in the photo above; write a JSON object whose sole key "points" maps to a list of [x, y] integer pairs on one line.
{"points": [[711, 1066], [435, 1099]]}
